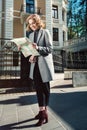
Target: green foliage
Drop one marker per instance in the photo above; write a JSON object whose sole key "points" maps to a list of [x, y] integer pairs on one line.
{"points": [[77, 18]]}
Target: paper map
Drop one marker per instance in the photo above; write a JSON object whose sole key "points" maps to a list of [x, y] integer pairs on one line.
{"points": [[26, 46]]}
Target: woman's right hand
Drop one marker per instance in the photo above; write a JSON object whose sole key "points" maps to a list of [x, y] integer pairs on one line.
{"points": [[35, 46]]}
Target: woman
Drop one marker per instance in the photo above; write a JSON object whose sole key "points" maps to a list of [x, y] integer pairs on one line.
{"points": [[41, 68]]}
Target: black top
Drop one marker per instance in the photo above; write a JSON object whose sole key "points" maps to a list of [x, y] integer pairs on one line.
{"points": [[36, 35]]}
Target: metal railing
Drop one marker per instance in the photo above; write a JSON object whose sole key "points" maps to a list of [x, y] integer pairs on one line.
{"points": [[76, 53], [58, 62], [75, 40], [37, 10], [77, 60], [10, 62]]}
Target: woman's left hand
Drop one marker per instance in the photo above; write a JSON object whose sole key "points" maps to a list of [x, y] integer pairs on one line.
{"points": [[32, 59]]}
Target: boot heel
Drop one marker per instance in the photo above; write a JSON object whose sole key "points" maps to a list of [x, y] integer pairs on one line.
{"points": [[46, 120]]}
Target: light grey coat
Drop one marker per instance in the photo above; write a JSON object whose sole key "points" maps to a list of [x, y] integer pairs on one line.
{"points": [[45, 60]]}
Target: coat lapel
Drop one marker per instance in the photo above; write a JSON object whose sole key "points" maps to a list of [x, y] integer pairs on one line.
{"points": [[39, 35], [38, 38], [32, 37]]}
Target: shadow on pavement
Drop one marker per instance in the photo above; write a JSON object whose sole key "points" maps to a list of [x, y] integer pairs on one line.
{"points": [[19, 125], [16, 90], [70, 108], [19, 101], [63, 86], [22, 100]]}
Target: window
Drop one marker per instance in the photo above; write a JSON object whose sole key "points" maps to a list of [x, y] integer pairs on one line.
{"points": [[55, 34], [64, 35], [55, 12], [30, 6]]}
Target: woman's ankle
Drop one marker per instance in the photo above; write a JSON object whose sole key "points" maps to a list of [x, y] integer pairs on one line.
{"points": [[42, 108]]}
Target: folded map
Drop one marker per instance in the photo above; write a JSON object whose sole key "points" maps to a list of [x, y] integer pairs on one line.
{"points": [[26, 46]]}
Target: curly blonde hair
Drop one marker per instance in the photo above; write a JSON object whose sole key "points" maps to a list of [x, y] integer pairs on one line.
{"points": [[37, 20]]}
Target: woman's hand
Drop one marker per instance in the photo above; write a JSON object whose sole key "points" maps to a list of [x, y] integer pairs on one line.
{"points": [[32, 59], [35, 46], [19, 47]]}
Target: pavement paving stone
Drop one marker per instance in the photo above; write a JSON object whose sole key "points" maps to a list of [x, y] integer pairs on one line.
{"points": [[67, 108], [17, 111]]}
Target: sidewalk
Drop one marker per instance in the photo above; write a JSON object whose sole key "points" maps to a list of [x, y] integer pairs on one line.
{"points": [[17, 111], [67, 108]]}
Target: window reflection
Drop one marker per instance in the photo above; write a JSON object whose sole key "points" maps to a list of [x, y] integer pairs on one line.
{"points": [[30, 6]]}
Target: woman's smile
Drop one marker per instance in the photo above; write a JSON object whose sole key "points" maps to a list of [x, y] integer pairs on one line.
{"points": [[33, 25]]}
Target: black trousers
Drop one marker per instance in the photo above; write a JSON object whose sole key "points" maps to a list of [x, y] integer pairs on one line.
{"points": [[42, 89]]}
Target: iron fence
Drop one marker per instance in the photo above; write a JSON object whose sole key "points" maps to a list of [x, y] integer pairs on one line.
{"points": [[10, 63]]}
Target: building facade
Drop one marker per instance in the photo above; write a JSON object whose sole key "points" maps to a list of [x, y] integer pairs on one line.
{"points": [[13, 14], [53, 13]]}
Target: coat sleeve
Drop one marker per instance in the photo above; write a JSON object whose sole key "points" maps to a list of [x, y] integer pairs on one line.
{"points": [[47, 45]]}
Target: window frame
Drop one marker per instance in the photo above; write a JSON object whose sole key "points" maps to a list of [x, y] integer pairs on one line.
{"points": [[55, 34], [55, 11]]}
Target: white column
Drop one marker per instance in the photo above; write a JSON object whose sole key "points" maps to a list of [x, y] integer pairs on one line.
{"points": [[24, 24], [60, 25], [35, 5], [60, 37], [60, 14], [9, 19], [49, 15], [24, 4]]}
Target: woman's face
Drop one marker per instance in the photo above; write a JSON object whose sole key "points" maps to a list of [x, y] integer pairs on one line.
{"points": [[33, 25]]}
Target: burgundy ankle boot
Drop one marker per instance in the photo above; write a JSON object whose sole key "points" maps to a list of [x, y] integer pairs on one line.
{"points": [[43, 118], [38, 115]]}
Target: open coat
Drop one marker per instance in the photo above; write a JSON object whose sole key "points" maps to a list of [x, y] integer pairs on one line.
{"points": [[45, 60]]}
